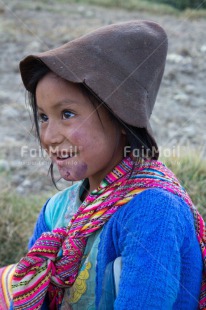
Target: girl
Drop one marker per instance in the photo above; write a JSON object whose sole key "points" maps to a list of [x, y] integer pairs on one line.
{"points": [[126, 236]]}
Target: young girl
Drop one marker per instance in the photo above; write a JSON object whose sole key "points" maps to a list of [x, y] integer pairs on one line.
{"points": [[126, 235]]}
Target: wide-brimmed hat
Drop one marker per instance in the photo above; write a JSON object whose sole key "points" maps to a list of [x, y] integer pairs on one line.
{"points": [[122, 64]]}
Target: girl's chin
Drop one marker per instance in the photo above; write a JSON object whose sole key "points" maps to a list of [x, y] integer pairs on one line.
{"points": [[70, 178], [67, 176], [76, 173]]}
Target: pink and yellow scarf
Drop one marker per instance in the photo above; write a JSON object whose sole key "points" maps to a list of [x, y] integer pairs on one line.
{"points": [[42, 270]]}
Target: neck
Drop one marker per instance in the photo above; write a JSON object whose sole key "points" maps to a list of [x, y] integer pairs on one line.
{"points": [[95, 180]]}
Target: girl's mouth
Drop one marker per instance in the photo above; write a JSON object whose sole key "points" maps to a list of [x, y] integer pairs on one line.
{"points": [[62, 156], [65, 156], [62, 159]]}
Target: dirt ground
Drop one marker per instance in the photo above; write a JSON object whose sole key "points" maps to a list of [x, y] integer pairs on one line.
{"points": [[28, 27]]}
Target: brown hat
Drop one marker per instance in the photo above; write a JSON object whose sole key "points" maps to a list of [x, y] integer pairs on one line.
{"points": [[121, 63]]}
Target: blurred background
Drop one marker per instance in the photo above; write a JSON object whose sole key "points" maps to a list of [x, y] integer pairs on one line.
{"points": [[178, 119]]}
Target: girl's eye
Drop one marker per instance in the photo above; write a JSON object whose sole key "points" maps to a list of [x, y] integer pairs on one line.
{"points": [[42, 118], [67, 114]]}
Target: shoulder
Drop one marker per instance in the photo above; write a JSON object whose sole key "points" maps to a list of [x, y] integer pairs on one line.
{"points": [[154, 210], [156, 203], [58, 206]]}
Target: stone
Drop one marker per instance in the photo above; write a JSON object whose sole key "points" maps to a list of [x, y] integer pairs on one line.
{"points": [[81, 9], [176, 58], [4, 96], [190, 89], [16, 180], [9, 112], [203, 49], [181, 97], [89, 13], [26, 184], [34, 46], [4, 165]]}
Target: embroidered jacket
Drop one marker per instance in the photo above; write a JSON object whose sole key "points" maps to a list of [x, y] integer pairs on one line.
{"points": [[155, 236]]}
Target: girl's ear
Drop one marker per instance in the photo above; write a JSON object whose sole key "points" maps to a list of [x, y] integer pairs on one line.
{"points": [[123, 131]]}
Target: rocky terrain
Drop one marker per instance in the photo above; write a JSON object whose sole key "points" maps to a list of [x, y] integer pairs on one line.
{"points": [[30, 26]]}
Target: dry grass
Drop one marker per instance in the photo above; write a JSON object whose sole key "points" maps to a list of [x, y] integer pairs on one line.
{"points": [[191, 171], [145, 6], [140, 5], [17, 217]]}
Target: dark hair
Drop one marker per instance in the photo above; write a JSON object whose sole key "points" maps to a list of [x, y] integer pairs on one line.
{"points": [[138, 139]]}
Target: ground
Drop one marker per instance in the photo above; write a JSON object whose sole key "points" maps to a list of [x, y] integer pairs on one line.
{"points": [[28, 27]]}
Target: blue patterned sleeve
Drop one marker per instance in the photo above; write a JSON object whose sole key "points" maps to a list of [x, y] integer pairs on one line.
{"points": [[40, 226]]}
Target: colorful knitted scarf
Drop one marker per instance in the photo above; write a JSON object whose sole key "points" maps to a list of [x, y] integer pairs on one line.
{"points": [[43, 270]]}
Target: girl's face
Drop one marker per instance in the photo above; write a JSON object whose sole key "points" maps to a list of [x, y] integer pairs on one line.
{"points": [[77, 141]]}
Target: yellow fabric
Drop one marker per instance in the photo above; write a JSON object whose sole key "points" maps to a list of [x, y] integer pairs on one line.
{"points": [[6, 274]]}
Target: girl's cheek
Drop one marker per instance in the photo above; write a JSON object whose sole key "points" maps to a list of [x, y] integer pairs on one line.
{"points": [[41, 136], [81, 139], [80, 171], [76, 136]]}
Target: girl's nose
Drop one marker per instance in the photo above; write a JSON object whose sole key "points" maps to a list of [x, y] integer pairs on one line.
{"points": [[51, 134]]}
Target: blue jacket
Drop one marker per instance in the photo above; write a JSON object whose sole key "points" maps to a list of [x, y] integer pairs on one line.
{"points": [[161, 258]]}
